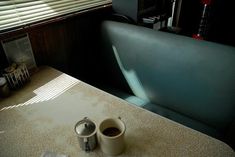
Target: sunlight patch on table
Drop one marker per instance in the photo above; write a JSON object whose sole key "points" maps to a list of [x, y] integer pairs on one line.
{"points": [[49, 91]]}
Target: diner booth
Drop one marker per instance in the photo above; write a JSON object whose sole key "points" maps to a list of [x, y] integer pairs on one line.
{"points": [[164, 68]]}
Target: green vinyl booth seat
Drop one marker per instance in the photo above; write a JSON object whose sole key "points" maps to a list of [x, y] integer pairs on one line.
{"points": [[189, 81]]}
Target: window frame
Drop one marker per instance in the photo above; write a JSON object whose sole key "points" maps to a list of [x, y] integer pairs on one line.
{"points": [[27, 26]]}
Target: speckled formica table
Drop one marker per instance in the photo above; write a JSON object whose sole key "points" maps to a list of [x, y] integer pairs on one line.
{"points": [[41, 117]]}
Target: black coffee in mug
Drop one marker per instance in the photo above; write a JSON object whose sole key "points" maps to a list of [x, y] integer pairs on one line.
{"points": [[111, 131]]}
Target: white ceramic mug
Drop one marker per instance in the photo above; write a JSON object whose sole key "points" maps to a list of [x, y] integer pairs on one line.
{"points": [[111, 136]]}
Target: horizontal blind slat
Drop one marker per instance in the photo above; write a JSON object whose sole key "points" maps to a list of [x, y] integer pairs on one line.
{"points": [[6, 3], [7, 8], [8, 17], [10, 25], [7, 12], [6, 21]]}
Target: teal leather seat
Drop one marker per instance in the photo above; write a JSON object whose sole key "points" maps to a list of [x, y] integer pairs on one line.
{"points": [[186, 80]]}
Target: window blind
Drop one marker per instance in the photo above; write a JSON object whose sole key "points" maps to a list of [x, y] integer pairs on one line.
{"points": [[20, 13]]}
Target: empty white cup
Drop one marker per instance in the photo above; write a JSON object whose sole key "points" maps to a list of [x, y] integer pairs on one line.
{"points": [[111, 136]]}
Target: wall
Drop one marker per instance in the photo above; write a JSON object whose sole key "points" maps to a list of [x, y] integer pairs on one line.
{"points": [[70, 45]]}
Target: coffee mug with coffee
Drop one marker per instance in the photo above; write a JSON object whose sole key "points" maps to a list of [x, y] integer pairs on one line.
{"points": [[111, 136]]}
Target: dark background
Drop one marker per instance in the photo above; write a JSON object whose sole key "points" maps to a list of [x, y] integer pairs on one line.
{"points": [[221, 22]]}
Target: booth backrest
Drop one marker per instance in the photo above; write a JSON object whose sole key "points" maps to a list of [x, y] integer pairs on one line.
{"points": [[192, 77]]}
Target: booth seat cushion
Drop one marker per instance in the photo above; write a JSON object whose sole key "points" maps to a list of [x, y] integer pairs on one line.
{"points": [[168, 113], [193, 78], [183, 119]]}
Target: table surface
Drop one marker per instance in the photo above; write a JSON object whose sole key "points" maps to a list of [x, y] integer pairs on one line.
{"points": [[41, 117]]}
